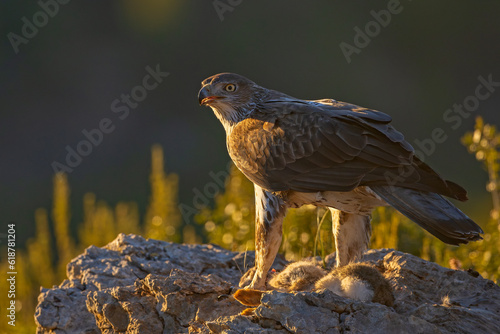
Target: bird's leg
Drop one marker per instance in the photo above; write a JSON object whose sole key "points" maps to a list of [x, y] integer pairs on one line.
{"points": [[269, 212], [352, 235]]}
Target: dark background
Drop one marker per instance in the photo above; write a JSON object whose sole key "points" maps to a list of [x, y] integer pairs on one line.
{"points": [[64, 79]]}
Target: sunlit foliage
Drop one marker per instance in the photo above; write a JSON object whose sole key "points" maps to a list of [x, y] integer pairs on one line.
{"points": [[162, 217], [484, 143], [231, 222], [61, 218]]}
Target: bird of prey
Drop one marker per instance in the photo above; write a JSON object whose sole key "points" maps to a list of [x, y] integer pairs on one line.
{"points": [[331, 154]]}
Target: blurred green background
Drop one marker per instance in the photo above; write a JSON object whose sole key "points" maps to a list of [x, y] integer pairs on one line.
{"points": [[64, 79]]}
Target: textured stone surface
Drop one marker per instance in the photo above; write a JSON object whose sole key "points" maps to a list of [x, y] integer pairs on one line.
{"points": [[135, 285]]}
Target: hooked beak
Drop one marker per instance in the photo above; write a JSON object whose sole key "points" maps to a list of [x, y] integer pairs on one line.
{"points": [[204, 96]]}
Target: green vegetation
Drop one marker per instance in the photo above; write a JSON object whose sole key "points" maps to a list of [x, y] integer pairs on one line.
{"points": [[43, 262], [484, 143], [230, 223], [162, 218]]}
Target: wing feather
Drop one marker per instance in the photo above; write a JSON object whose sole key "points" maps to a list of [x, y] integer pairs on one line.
{"points": [[326, 145]]}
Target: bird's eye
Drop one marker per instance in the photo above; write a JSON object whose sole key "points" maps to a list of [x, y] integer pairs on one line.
{"points": [[230, 88]]}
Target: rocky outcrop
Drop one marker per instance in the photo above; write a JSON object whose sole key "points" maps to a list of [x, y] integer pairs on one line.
{"points": [[135, 285]]}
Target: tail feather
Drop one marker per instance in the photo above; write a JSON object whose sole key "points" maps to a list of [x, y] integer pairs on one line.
{"points": [[432, 212]]}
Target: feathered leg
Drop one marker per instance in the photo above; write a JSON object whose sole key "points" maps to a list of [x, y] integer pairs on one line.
{"points": [[269, 213], [352, 235]]}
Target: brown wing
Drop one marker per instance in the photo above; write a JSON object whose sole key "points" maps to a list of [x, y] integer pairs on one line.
{"points": [[325, 145]]}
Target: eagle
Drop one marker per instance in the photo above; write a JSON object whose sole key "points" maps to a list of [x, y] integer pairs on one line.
{"points": [[332, 154]]}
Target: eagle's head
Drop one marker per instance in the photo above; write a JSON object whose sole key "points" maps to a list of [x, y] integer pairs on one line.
{"points": [[231, 96]]}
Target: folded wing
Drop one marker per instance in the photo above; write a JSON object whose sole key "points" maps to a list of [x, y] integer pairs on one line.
{"points": [[325, 145]]}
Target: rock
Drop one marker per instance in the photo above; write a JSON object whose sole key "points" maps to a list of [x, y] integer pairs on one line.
{"points": [[135, 285], [64, 308]]}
